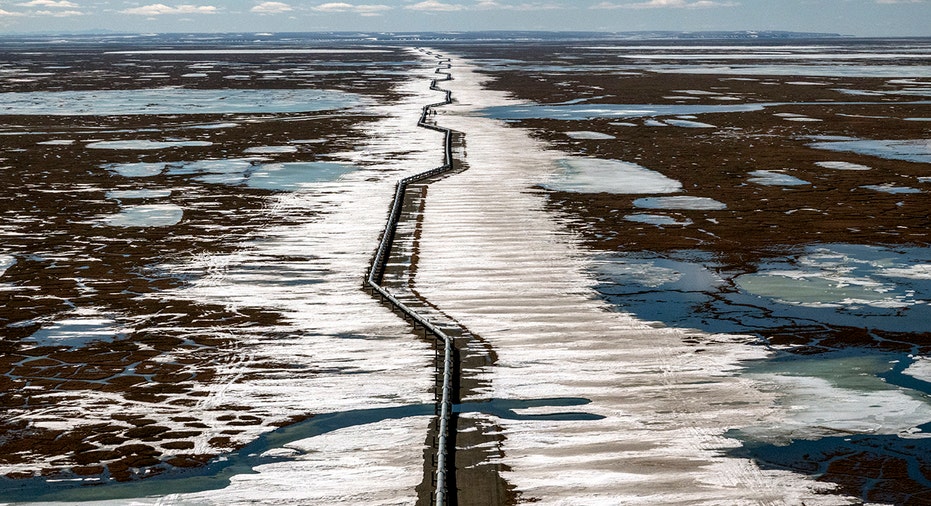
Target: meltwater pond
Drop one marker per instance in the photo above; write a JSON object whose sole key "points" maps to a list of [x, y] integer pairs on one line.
{"points": [[840, 285], [174, 101]]}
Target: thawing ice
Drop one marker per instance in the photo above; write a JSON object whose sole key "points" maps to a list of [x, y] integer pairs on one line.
{"points": [[842, 166], [215, 126], [146, 145], [688, 123], [6, 261], [592, 175], [920, 369], [295, 175], [269, 51], [775, 178], [77, 329], [830, 395], [843, 277], [587, 135], [820, 289], [139, 169], [680, 202], [919, 271], [137, 194], [174, 101], [582, 112], [57, 142], [267, 150], [641, 272], [891, 188], [913, 150], [815, 70], [147, 215], [656, 219]]}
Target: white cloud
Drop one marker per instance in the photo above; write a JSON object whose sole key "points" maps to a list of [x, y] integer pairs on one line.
{"points": [[272, 8], [485, 5], [667, 4], [62, 4], [159, 9], [59, 14], [364, 10], [8, 14], [435, 6]]}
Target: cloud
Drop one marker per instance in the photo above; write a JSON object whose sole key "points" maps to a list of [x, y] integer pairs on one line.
{"points": [[486, 5], [159, 9], [667, 4], [364, 10], [8, 14], [62, 4], [272, 8], [59, 14], [900, 1], [435, 6]]}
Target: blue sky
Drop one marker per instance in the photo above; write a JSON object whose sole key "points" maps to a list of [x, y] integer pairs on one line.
{"points": [[851, 17]]}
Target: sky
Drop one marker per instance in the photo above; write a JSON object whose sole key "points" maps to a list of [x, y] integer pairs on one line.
{"points": [[893, 18]]}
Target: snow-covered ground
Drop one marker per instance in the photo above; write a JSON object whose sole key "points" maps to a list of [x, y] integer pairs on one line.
{"points": [[492, 257]]}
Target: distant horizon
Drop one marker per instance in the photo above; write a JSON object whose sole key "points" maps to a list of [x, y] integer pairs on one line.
{"points": [[744, 35], [853, 18]]}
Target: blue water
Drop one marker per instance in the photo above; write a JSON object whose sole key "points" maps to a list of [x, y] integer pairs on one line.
{"points": [[834, 284], [589, 111]]}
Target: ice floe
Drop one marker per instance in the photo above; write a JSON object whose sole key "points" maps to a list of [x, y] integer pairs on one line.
{"points": [[592, 175], [146, 145], [175, 101], [657, 219], [688, 123], [833, 165], [775, 178], [891, 188], [146, 215], [912, 150], [587, 135], [680, 202]]}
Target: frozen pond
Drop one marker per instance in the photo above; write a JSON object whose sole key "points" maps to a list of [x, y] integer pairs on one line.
{"points": [[680, 202], [582, 112], [174, 101], [837, 284], [775, 178], [591, 175], [914, 150], [147, 215], [146, 145], [254, 172]]}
